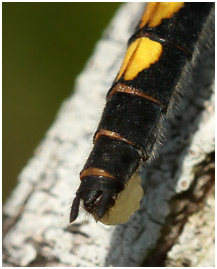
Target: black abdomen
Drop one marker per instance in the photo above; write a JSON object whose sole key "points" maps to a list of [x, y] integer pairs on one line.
{"points": [[137, 101]]}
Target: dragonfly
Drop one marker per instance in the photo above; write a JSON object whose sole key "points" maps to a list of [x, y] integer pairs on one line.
{"points": [[166, 41]]}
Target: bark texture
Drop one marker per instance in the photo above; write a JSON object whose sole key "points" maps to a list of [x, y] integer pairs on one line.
{"points": [[175, 224]]}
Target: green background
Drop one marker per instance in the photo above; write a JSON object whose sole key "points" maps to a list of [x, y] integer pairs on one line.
{"points": [[45, 46]]}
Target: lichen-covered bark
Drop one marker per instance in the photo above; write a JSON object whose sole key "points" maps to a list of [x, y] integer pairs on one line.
{"points": [[175, 220]]}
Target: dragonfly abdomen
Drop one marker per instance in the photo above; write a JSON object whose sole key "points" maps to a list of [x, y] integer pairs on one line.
{"points": [[149, 77]]}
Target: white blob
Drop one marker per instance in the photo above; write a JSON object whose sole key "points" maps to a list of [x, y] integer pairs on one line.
{"points": [[127, 202]]}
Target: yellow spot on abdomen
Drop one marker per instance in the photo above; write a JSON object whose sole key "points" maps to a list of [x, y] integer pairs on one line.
{"points": [[156, 11], [140, 55]]}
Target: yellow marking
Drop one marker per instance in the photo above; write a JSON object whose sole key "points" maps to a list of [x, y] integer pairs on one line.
{"points": [[91, 171], [156, 11], [140, 55], [120, 87], [111, 134]]}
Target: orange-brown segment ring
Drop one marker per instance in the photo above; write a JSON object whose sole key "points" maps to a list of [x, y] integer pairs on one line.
{"points": [[130, 90], [111, 134], [91, 171]]}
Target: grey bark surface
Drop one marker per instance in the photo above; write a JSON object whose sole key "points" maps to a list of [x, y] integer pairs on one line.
{"points": [[175, 224]]}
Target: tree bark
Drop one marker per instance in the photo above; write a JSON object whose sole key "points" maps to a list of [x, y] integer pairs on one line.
{"points": [[175, 224]]}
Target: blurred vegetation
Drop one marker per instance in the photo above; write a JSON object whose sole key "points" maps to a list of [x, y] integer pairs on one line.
{"points": [[45, 46]]}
